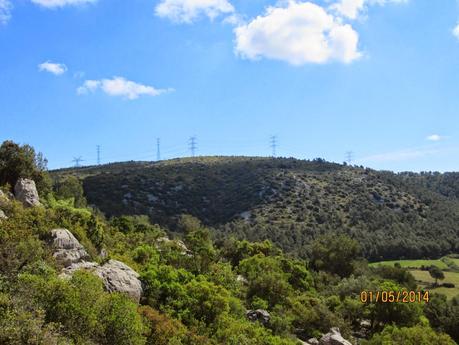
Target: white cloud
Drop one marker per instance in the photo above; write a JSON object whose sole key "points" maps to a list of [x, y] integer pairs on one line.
{"points": [[61, 3], [5, 11], [435, 137], [187, 11], [118, 86], [351, 9], [456, 31], [54, 68], [401, 155], [299, 33]]}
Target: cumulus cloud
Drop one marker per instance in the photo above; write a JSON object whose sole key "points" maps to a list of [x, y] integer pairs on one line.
{"points": [[5, 11], [351, 9], [51, 67], [435, 137], [61, 3], [119, 86], [299, 33], [187, 11]]}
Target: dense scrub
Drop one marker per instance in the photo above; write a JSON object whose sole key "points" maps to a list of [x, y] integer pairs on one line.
{"points": [[194, 297], [288, 201]]}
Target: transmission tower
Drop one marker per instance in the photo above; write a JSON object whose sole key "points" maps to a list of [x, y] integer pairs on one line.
{"points": [[349, 157], [98, 154], [273, 144], [77, 161], [158, 149], [193, 146]]}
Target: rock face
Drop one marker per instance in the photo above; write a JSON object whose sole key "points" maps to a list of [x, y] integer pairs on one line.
{"points": [[333, 338], [258, 315], [67, 249], [118, 277], [26, 192]]}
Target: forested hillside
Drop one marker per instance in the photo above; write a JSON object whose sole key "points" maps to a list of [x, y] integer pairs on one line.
{"points": [[287, 201]]}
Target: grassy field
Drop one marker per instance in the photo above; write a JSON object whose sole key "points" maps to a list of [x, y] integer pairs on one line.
{"points": [[424, 279], [414, 263]]}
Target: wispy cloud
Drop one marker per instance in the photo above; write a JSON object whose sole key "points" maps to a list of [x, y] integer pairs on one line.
{"points": [[435, 137], [54, 68], [62, 3], [352, 9], [456, 31], [187, 11], [121, 87], [402, 155], [5, 11]]}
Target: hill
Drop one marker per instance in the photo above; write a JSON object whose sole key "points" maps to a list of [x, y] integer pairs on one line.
{"points": [[286, 200]]}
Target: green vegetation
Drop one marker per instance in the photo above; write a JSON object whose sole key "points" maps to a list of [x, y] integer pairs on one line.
{"points": [[196, 292], [425, 280], [290, 202], [413, 263]]}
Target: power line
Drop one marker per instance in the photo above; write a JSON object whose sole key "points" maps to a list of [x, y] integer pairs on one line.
{"points": [[158, 149], [273, 144], [98, 154], [349, 157], [77, 161], [193, 145]]}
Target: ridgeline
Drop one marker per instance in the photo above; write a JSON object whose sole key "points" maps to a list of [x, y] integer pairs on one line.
{"points": [[287, 201]]}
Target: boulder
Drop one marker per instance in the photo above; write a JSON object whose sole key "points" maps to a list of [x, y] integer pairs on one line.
{"points": [[313, 341], [3, 215], [241, 279], [67, 249], [118, 277], [177, 243], [333, 338], [68, 272], [258, 315], [25, 191]]}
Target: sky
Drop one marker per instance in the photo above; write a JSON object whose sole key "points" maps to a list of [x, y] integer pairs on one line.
{"points": [[378, 78]]}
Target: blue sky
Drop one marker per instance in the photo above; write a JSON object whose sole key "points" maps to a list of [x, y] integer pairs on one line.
{"points": [[376, 77]]}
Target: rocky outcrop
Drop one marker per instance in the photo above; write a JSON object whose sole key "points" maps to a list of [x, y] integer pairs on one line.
{"points": [[68, 272], [25, 191], [67, 249], [333, 338], [118, 277], [177, 243], [258, 315]]}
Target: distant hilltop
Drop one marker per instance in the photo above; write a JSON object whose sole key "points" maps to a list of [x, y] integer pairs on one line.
{"points": [[286, 200]]}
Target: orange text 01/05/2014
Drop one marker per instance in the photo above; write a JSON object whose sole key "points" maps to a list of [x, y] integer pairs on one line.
{"points": [[404, 296]]}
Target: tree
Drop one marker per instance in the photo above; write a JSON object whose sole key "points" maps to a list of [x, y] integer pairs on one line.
{"points": [[417, 335], [68, 188], [21, 161], [335, 254], [436, 273]]}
